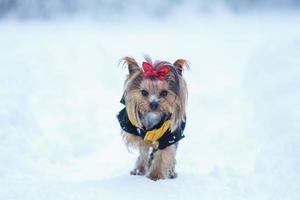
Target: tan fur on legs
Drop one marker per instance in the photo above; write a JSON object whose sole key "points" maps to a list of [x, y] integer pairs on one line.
{"points": [[172, 173], [163, 163], [141, 162], [137, 142]]}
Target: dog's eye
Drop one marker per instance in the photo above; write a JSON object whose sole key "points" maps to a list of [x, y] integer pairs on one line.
{"points": [[164, 93], [144, 93]]}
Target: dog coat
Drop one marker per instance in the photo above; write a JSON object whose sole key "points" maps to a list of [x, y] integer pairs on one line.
{"points": [[159, 137]]}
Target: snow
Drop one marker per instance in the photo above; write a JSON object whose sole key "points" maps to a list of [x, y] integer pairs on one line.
{"points": [[60, 88]]}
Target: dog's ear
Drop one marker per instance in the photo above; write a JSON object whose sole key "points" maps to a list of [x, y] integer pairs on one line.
{"points": [[131, 64], [180, 64]]}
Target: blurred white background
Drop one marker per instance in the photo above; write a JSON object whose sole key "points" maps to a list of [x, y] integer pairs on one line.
{"points": [[60, 87]]}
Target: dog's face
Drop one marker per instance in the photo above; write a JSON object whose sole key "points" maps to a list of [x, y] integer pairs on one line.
{"points": [[151, 97], [154, 96]]}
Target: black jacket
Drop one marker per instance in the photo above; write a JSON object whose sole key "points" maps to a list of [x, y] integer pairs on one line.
{"points": [[166, 140]]}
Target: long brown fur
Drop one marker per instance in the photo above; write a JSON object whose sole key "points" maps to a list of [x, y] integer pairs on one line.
{"points": [[163, 163]]}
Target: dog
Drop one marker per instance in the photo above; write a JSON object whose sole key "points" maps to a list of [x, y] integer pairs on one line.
{"points": [[154, 116]]}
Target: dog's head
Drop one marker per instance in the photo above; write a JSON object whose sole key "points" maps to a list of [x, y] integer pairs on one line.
{"points": [[155, 89]]}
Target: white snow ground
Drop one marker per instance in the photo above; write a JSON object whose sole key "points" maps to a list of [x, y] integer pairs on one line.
{"points": [[60, 88]]}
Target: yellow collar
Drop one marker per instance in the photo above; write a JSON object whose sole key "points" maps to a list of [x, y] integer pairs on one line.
{"points": [[152, 137]]}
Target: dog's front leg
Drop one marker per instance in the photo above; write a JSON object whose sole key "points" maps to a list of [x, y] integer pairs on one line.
{"points": [[142, 161], [163, 164], [136, 142]]}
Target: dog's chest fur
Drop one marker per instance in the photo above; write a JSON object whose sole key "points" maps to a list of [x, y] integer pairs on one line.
{"points": [[149, 120]]}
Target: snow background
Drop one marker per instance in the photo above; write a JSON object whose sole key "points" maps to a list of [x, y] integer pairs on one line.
{"points": [[60, 87]]}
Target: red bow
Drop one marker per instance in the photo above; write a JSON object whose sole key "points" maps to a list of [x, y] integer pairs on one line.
{"points": [[150, 71]]}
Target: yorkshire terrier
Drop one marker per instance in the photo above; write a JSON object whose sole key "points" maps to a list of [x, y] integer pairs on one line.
{"points": [[154, 116]]}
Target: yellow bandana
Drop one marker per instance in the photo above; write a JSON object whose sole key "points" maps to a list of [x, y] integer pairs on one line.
{"points": [[151, 137]]}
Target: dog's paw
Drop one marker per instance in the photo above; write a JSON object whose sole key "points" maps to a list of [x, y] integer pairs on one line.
{"points": [[173, 175], [155, 176], [138, 172]]}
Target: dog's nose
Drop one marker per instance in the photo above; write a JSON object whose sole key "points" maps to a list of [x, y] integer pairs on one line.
{"points": [[153, 105]]}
